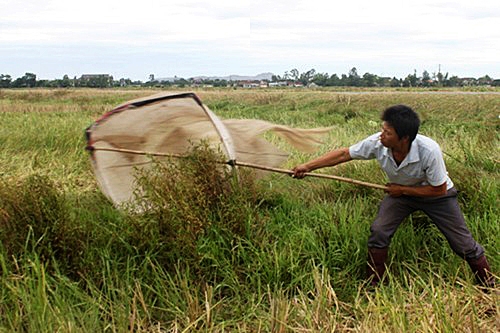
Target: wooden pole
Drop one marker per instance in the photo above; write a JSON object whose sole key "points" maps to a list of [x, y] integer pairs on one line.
{"points": [[135, 152], [249, 165], [311, 174]]}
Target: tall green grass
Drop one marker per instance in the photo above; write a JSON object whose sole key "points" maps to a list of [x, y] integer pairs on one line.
{"points": [[277, 255]]}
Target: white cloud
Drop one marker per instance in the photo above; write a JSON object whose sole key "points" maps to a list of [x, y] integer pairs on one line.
{"points": [[60, 21], [227, 37]]}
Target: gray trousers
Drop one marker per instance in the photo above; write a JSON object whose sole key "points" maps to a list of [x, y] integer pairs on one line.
{"points": [[444, 212]]}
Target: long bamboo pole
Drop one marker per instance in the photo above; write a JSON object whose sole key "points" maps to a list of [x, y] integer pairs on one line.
{"points": [[312, 174], [248, 165]]}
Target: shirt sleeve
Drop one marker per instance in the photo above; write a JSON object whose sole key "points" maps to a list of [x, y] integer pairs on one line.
{"points": [[365, 149], [436, 169]]}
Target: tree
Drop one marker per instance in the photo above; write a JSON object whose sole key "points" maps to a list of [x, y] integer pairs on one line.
{"points": [[27, 81], [181, 83], [333, 81], [426, 79], [484, 80], [152, 82], [306, 78], [321, 79], [411, 80], [65, 82], [353, 79], [125, 82], [96, 81], [454, 81], [30, 79], [295, 74], [5, 80], [344, 80], [441, 78], [369, 80], [219, 83], [396, 83]]}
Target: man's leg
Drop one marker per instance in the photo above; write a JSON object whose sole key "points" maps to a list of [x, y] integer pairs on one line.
{"points": [[446, 214], [391, 213]]}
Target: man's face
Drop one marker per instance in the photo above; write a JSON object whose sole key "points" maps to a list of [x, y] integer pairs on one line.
{"points": [[389, 138]]}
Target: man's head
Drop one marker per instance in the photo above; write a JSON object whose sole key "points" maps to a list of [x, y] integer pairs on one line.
{"points": [[404, 120]]}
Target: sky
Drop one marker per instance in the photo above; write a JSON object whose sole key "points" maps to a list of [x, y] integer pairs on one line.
{"points": [[187, 38]]}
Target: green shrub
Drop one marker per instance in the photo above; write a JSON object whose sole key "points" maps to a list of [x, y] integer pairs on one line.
{"points": [[34, 217], [185, 199]]}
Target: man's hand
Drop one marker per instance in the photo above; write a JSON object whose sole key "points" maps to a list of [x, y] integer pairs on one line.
{"points": [[395, 190], [299, 171]]}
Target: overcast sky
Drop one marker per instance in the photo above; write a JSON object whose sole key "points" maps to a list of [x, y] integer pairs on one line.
{"points": [[185, 38]]}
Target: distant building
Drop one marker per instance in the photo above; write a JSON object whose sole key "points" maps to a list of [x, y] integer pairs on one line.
{"points": [[248, 84], [278, 84], [467, 81]]}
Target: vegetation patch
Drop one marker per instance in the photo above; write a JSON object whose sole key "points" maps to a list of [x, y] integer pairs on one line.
{"points": [[216, 253]]}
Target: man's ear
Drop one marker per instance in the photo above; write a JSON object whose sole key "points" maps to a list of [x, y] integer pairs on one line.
{"points": [[405, 138]]}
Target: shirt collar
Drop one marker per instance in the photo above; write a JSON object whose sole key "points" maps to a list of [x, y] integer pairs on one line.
{"points": [[412, 156]]}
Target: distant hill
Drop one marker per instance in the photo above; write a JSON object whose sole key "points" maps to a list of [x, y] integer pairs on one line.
{"points": [[258, 77]]}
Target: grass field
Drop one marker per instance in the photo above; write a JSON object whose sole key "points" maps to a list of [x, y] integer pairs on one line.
{"points": [[279, 255]]}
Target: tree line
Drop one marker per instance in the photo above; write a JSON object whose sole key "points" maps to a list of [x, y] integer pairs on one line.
{"points": [[292, 77], [353, 79]]}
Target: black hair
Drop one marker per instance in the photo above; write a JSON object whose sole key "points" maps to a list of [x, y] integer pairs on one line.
{"points": [[403, 119]]}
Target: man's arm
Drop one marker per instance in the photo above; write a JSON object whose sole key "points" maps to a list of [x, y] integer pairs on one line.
{"points": [[395, 190], [332, 158]]}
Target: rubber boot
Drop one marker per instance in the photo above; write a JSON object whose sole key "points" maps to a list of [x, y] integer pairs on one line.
{"points": [[482, 271], [376, 264]]}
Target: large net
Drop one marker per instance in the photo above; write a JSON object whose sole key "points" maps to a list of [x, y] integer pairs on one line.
{"points": [[123, 140]]}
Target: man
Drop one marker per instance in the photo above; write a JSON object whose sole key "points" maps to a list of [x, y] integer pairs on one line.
{"points": [[418, 181]]}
